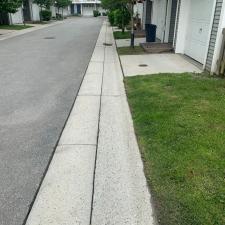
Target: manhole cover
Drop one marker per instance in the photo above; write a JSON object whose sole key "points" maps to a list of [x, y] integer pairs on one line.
{"points": [[49, 38], [107, 44], [143, 65]]}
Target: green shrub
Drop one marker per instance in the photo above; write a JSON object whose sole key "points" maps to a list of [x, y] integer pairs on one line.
{"points": [[104, 14], [122, 18], [59, 16], [46, 15], [111, 18], [96, 13]]}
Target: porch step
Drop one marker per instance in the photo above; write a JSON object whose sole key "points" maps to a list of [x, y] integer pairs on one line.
{"points": [[157, 47]]}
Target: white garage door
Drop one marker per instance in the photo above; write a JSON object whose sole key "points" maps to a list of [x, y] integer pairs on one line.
{"points": [[88, 9], [198, 29]]}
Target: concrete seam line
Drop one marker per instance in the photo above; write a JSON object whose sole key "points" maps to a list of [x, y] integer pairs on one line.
{"points": [[76, 145], [118, 56], [99, 118], [56, 145]]}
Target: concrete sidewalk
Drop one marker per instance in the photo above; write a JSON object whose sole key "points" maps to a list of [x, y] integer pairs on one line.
{"points": [[96, 174]]}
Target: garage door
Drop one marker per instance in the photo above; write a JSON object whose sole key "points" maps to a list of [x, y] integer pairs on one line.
{"points": [[198, 29], [88, 9]]}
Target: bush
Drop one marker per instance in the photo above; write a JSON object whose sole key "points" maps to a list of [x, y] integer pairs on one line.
{"points": [[59, 16], [96, 13], [104, 14], [46, 15], [122, 18], [111, 18]]}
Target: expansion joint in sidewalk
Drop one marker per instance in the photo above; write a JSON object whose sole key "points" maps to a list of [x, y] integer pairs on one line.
{"points": [[77, 145], [99, 118]]}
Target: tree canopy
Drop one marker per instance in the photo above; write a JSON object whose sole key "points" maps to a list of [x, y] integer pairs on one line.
{"points": [[62, 3], [10, 6], [44, 3]]}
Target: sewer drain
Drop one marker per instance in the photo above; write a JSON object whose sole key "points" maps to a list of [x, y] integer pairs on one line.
{"points": [[49, 38], [143, 65], [107, 44]]}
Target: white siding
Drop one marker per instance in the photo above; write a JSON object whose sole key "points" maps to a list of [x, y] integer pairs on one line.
{"points": [[17, 17], [158, 17], [213, 36], [53, 10], [138, 8], [35, 12]]}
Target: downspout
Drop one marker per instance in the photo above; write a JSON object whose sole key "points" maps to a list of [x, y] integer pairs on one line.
{"points": [[164, 33]]}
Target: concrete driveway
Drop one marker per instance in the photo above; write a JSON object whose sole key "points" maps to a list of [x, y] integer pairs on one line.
{"points": [[40, 74]]}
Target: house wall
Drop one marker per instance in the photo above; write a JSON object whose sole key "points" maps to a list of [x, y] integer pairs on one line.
{"points": [[17, 17], [35, 12], [138, 8], [53, 10], [158, 17], [176, 23], [144, 15], [161, 17], [168, 19], [216, 37], [172, 24]]}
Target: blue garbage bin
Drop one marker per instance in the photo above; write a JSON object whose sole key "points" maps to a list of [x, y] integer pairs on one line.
{"points": [[150, 30]]}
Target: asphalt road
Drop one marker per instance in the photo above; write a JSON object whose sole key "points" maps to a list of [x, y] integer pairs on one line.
{"points": [[39, 79]]}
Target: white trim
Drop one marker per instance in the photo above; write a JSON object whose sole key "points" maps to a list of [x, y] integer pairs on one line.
{"points": [[176, 23], [168, 20], [182, 26]]}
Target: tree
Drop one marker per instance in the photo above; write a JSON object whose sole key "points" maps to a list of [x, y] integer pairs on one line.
{"points": [[10, 6], [121, 4], [43, 4], [121, 7], [62, 4]]}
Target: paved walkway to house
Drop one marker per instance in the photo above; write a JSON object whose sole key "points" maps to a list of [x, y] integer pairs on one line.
{"points": [[96, 175], [156, 63], [126, 42]]}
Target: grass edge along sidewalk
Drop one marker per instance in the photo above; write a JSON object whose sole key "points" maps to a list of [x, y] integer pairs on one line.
{"points": [[14, 27], [180, 127]]}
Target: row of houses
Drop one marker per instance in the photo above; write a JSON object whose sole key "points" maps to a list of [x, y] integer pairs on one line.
{"points": [[86, 7], [31, 11], [193, 27]]}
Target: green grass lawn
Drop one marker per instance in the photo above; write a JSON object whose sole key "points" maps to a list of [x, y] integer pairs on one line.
{"points": [[121, 35], [15, 27], [179, 121], [137, 50]]}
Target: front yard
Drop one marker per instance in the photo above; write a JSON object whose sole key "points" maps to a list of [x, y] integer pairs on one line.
{"points": [[179, 121], [121, 35], [15, 27], [137, 50]]}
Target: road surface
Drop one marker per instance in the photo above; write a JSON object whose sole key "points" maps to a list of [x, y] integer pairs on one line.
{"points": [[40, 74]]}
